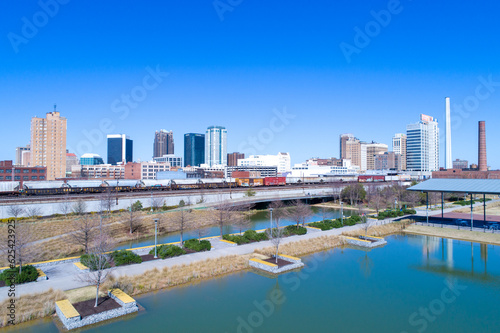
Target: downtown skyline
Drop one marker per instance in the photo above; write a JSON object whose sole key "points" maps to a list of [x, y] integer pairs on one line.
{"points": [[235, 74]]}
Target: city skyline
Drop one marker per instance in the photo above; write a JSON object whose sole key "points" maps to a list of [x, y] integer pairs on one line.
{"points": [[264, 85]]}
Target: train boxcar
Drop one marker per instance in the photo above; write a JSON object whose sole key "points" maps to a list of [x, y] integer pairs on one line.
{"points": [[274, 181], [371, 178]]}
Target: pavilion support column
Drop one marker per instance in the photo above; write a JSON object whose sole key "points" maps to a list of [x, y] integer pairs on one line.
{"points": [[484, 208], [471, 213], [427, 207], [442, 208]]}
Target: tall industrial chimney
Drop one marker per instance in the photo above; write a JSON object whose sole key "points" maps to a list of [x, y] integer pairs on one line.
{"points": [[448, 164], [483, 166]]}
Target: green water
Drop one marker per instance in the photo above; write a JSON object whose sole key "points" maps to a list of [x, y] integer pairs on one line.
{"points": [[413, 284]]}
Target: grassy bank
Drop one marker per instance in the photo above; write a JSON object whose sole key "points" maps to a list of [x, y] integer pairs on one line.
{"points": [[465, 235], [31, 306], [382, 230]]}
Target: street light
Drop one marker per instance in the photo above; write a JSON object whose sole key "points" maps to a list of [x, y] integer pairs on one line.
{"points": [[156, 235], [342, 212], [271, 221], [395, 203]]}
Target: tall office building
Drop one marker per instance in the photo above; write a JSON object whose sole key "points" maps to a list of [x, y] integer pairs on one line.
{"points": [[353, 151], [48, 144], [368, 153], [163, 144], [343, 141], [216, 146], [399, 147], [422, 145], [120, 149], [232, 158], [23, 156], [194, 149]]}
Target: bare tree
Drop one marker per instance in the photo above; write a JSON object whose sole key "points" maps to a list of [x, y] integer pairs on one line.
{"points": [[411, 198], [276, 234], [19, 241], [15, 211], [106, 200], [99, 262], [222, 214], [65, 206], [279, 210], [79, 207], [83, 231], [133, 222], [298, 212], [157, 202], [354, 193], [181, 218], [33, 211], [242, 216], [374, 197]]}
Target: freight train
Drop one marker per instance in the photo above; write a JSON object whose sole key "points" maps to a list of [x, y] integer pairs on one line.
{"points": [[36, 188]]}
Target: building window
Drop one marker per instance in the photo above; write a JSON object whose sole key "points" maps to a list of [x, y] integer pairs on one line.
{"points": [[1, 177], [41, 171], [26, 178], [34, 177], [42, 177], [17, 170], [8, 177], [26, 170], [8, 170], [17, 178], [2, 170]]}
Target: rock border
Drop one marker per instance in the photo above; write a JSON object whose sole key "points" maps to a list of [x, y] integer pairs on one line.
{"points": [[77, 321], [274, 269], [363, 243]]}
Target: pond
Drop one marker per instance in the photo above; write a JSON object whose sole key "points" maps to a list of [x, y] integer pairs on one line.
{"points": [[413, 284]]}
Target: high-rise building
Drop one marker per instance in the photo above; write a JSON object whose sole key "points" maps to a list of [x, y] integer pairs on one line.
{"points": [[216, 146], [399, 147], [172, 160], [48, 144], [71, 160], [388, 161], [422, 145], [281, 161], [22, 157], [91, 159], [371, 150], [163, 144], [232, 158], [120, 149], [353, 151], [343, 141], [194, 149]]}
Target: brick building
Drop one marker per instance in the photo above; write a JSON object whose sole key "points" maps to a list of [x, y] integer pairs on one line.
{"points": [[11, 172]]}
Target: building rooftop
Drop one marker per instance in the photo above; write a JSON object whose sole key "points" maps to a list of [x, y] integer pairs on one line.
{"points": [[475, 186]]}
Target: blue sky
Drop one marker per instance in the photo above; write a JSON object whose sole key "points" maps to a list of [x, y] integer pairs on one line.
{"points": [[244, 62]]}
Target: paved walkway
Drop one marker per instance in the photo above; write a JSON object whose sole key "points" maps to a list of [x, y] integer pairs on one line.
{"points": [[66, 276]]}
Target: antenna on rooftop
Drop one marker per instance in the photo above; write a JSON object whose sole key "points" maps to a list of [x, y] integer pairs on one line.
{"points": [[55, 106]]}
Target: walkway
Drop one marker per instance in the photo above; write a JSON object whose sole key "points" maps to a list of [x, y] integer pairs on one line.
{"points": [[66, 276]]}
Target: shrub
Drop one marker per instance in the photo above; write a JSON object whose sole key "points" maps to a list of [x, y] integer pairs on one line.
{"points": [[28, 274], [294, 230], [89, 261], [198, 246], [168, 251], [247, 237], [124, 257]]}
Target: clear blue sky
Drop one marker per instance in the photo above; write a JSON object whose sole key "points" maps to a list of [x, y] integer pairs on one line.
{"points": [[261, 56]]}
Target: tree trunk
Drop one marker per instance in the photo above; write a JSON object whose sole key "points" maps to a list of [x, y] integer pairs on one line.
{"points": [[96, 294], [277, 251]]}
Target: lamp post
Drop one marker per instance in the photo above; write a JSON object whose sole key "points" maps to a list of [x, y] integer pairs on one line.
{"points": [[395, 203], [151, 201], [156, 236], [271, 221], [342, 212]]}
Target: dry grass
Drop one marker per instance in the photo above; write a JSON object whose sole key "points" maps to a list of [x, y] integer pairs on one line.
{"points": [[156, 279], [492, 208], [59, 245], [32, 306], [466, 235], [304, 247], [82, 294], [382, 230]]}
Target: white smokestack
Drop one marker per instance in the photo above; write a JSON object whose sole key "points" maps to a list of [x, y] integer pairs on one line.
{"points": [[448, 160]]}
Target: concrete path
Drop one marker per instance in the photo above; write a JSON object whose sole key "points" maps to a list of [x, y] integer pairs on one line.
{"points": [[66, 276]]}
